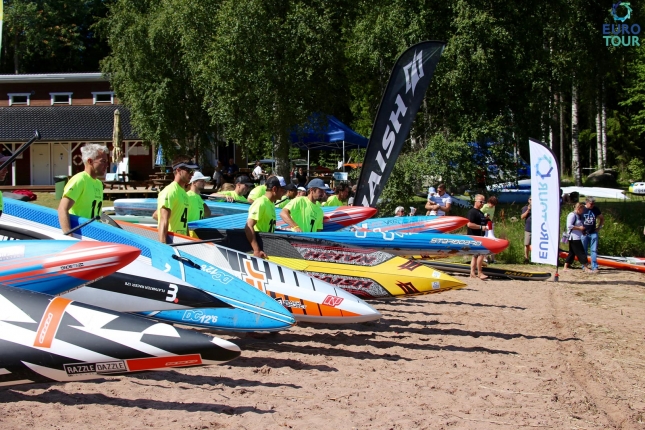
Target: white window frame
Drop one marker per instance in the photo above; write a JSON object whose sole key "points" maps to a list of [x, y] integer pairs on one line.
{"points": [[69, 102], [12, 95], [95, 93]]}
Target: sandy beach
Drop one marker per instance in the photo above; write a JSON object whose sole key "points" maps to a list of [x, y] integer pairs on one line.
{"points": [[497, 354]]}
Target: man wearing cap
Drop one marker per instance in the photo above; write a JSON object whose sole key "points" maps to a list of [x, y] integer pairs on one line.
{"points": [[261, 189], [302, 191], [262, 213], [340, 197], [197, 209], [83, 194], [173, 202], [302, 213], [3, 174], [590, 216], [242, 186], [291, 193]]}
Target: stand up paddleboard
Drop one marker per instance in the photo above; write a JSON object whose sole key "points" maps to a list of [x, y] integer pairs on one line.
{"points": [[493, 272], [366, 273], [335, 218], [47, 339], [251, 310], [52, 266], [622, 263], [411, 224], [125, 290], [146, 207], [307, 298], [410, 243]]}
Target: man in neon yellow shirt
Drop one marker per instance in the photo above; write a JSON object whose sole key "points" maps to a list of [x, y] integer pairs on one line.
{"points": [[83, 194], [302, 213], [242, 186], [261, 189], [341, 196], [262, 213], [197, 209], [172, 201], [291, 192]]}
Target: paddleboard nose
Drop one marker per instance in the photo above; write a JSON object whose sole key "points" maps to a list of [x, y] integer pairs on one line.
{"points": [[91, 260]]}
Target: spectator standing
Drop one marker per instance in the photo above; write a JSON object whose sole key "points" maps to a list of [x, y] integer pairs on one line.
{"points": [[477, 227], [83, 194], [431, 193], [230, 171], [591, 215], [489, 208], [526, 215], [257, 171], [440, 202], [301, 178], [576, 231], [399, 211]]}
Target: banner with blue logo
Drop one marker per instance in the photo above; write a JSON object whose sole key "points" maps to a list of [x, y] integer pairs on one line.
{"points": [[545, 204]]}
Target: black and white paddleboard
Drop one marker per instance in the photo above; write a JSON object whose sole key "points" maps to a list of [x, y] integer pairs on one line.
{"points": [[54, 339]]}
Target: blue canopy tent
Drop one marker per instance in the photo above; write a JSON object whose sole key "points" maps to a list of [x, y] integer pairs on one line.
{"points": [[334, 135]]}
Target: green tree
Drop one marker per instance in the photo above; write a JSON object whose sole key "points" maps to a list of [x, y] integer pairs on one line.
{"points": [[49, 36]]}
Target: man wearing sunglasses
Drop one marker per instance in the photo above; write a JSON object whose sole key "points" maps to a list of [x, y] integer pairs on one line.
{"points": [[477, 227], [173, 202]]}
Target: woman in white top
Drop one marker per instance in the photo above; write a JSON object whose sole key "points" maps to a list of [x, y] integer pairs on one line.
{"points": [[575, 229]]}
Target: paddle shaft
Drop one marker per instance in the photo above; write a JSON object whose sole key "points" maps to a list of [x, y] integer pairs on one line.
{"points": [[78, 227]]}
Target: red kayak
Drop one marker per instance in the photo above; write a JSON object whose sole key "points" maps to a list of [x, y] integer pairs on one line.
{"points": [[622, 263]]}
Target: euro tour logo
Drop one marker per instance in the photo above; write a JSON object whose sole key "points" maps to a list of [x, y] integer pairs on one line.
{"points": [[620, 33]]}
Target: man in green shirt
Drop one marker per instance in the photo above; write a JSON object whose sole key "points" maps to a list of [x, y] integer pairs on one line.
{"points": [[262, 213], [83, 194], [172, 201], [259, 190], [340, 197], [242, 186], [302, 213], [291, 192], [197, 209]]}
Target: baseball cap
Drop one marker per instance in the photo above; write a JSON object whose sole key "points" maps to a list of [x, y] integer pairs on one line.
{"points": [[275, 181], [188, 165], [290, 187], [244, 180], [199, 176], [317, 183], [302, 189]]}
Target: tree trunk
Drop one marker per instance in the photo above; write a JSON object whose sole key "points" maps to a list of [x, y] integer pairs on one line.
{"points": [[16, 57], [575, 144], [603, 124], [599, 137]]}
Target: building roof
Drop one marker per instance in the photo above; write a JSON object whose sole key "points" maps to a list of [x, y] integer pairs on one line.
{"points": [[63, 123], [52, 77]]}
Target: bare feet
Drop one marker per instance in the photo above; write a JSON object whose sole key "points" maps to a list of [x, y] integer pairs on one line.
{"points": [[484, 278]]}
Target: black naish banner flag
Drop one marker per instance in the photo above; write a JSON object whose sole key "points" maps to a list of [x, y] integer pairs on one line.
{"points": [[408, 83]]}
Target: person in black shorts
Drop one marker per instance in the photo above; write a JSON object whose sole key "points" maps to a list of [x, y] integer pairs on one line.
{"points": [[477, 227]]}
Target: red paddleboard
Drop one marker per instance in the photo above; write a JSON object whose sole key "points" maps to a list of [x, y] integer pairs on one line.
{"points": [[339, 217], [621, 263]]}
